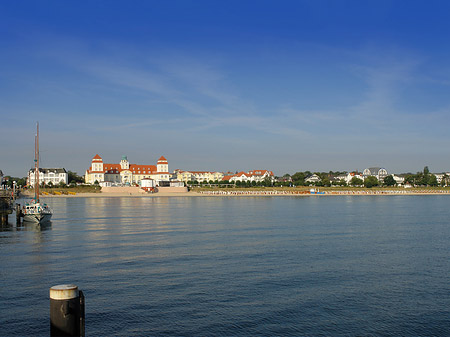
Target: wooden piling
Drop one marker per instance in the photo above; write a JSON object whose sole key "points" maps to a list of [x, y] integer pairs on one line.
{"points": [[5, 206], [66, 311], [18, 214]]}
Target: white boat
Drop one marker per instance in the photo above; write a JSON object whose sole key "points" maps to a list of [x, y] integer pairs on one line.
{"points": [[35, 211]]}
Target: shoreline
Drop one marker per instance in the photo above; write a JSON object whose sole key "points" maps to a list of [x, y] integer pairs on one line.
{"points": [[240, 194]]}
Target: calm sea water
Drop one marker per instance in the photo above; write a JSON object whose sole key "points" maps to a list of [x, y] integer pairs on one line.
{"points": [[273, 266]]}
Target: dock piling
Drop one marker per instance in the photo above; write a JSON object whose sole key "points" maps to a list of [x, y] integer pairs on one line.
{"points": [[18, 214], [66, 311]]}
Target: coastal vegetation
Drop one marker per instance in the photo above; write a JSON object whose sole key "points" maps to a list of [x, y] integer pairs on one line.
{"points": [[66, 189], [306, 189]]}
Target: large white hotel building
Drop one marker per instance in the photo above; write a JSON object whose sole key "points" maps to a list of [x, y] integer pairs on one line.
{"points": [[126, 173]]}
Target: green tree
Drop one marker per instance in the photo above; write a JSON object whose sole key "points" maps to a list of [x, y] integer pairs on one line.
{"points": [[426, 171], [74, 177], [389, 181], [298, 178], [356, 182], [267, 181], [326, 182], [422, 179], [410, 179], [432, 181], [370, 182], [444, 180]]}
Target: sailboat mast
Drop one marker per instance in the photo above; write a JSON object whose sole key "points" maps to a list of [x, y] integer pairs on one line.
{"points": [[36, 164]]}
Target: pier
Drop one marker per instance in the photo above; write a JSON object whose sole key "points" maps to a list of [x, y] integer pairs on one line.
{"points": [[7, 198]]}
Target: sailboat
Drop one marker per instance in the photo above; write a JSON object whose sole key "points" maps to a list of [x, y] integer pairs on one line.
{"points": [[35, 211]]}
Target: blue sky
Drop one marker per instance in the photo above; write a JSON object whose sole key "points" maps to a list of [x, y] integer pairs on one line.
{"points": [[226, 85]]}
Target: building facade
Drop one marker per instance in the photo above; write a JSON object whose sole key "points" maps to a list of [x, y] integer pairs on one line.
{"points": [[377, 172], [352, 175], [125, 173], [255, 175], [312, 179], [200, 176], [55, 176]]}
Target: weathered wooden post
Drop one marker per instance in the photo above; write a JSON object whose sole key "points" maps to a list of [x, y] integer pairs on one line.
{"points": [[18, 214], [66, 311]]}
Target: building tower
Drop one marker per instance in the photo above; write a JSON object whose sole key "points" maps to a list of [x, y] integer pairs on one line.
{"points": [[97, 164], [162, 165], [124, 164]]}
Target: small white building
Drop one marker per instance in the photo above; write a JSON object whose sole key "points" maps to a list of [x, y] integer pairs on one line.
{"points": [[48, 175], [313, 178], [148, 184], [398, 180], [176, 183], [352, 175], [442, 176]]}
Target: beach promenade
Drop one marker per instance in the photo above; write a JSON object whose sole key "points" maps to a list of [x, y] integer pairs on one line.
{"points": [[245, 193]]}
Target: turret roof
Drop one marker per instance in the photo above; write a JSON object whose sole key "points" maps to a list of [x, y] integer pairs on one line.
{"points": [[162, 159]]}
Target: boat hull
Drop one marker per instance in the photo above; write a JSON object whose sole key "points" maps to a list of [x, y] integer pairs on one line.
{"points": [[37, 218]]}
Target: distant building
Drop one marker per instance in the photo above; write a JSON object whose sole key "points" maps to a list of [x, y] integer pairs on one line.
{"points": [[352, 175], [200, 176], [377, 172], [341, 178], [255, 175], [285, 179], [48, 175], [126, 173], [398, 180], [148, 184], [105, 184], [312, 179], [442, 176]]}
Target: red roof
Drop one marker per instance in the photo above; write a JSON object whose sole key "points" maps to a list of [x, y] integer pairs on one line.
{"points": [[199, 172], [136, 169], [260, 172], [242, 173]]}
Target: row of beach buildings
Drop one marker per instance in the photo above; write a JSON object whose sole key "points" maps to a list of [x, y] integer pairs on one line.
{"points": [[145, 175], [149, 176]]}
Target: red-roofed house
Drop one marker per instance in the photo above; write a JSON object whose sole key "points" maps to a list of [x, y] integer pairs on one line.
{"points": [[126, 173]]}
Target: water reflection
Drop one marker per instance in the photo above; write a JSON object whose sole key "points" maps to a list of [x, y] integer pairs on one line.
{"points": [[34, 227], [25, 226]]}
